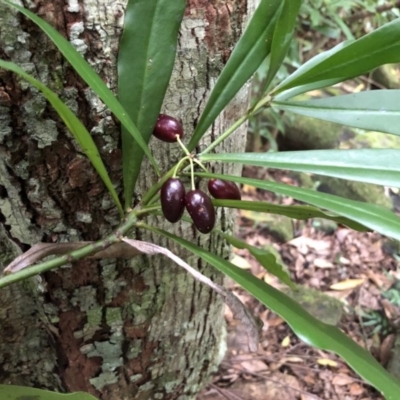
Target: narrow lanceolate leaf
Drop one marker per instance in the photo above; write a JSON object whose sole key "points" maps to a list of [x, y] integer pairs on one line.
{"points": [[374, 110], [294, 91], [146, 57], [74, 125], [305, 326], [12, 392], [249, 52], [282, 37], [372, 216], [378, 166], [265, 258], [295, 212], [89, 76], [379, 47]]}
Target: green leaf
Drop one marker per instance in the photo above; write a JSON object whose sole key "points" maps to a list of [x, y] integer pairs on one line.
{"points": [[291, 92], [248, 54], [309, 329], [89, 76], [75, 126], [145, 61], [12, 392], [374, 110], [282, 38], [372, 216], [264, 257], [378, 166], [295, 212], [379, 47]]}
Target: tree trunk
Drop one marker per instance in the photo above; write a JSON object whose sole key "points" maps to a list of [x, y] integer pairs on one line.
{"points": [[119, 330]]}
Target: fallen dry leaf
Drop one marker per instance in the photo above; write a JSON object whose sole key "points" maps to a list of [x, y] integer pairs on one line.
{"points": [[327, 362], [254, 366], [322, 263], [347, 284], [286, 341], [342, 380], [275, 321], [392, 311], [293, 359], [344, 261], [356, 389], [382, 281], [240, 262], [385, 349], [303, 244]]}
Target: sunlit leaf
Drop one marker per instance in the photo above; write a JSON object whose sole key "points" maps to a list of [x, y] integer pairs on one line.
{"points": [[374, 110], [378, 166], [305, 326], [74, 125], [145, 60], [248, 54]]}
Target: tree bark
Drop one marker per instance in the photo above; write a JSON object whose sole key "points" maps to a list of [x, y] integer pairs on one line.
{"points": [[119, 330]]}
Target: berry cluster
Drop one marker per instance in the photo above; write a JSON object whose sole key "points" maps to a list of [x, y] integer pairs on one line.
{"points": [[174, 198]]}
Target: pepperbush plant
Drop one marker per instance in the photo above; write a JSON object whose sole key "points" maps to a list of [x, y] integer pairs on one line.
{"points": [[140, 95]]}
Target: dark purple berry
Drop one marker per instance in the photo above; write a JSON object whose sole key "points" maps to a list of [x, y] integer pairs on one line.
{"points": [[167, 128], [201, 210], [173, 199], [220, 189]]}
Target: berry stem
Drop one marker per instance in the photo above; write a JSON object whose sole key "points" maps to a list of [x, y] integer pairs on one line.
{"points": [[192, 173], [179, 164], [188, 156], [200, 165], [183, 147]]}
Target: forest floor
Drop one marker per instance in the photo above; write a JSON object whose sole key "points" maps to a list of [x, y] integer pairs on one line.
{"points": [[356, 270]]}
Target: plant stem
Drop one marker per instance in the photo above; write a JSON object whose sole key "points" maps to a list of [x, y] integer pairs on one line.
{"points": [[192, 173], [198, 162], [148, 209], [226, 134], [263, 102], [179, 164], [183, 147], [171, 173], [73, 255]]}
